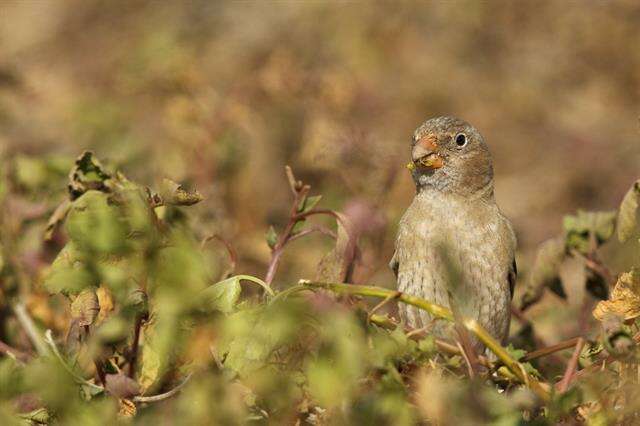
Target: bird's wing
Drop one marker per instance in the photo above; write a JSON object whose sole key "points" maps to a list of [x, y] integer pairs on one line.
{"points": [[513, 274], [394, 264]]}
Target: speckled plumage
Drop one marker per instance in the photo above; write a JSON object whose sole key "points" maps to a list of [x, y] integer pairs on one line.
{"points": [[454, 220]]}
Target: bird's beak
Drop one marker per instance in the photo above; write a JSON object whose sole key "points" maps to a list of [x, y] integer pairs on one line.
{"points": [[425, 154]]}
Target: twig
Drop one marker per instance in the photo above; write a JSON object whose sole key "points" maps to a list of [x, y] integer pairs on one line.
{"points": [[278, 248], [601, 363], [571, 367], [284, 294], [19, 355], [468, 352], [422, 330], [443, 313], [471, 369], [380, 305], [371, 291], [320, 229], [163, 396], [592, 262], [293, 184], [100, 370], [447, 347], [551, 349], [443, 346], [455, 350], [233, 255], [520, 316], [30, 328], [49, 340], [135, 345], [313, 212], [300, 192]]}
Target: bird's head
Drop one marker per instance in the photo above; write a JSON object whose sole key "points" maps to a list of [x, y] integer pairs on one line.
{"points": [[450, 155]]}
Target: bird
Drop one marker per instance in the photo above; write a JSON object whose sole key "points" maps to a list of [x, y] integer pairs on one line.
{"points": [[454, 246]]}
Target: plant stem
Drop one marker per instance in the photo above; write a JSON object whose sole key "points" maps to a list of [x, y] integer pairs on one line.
{"points": [[233, 255], [277, 250], [551, 349], [571, 366], [31, 329], [363, 290], [135, 344], [163, 396], [442, 313], [258, 281], [54, 349], [11, 351]]}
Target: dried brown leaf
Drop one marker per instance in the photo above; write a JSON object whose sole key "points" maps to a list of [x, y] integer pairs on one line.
{"points": [[126, 408], [56, 219], [628, 213], [546, 270], [105, 301], [85, 307], [175, 194], [624, 300], [336, 266]]}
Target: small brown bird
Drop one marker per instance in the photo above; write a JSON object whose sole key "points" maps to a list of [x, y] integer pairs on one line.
{"points": [[454, 231]]}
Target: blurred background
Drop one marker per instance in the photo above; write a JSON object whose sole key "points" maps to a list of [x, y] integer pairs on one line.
{"points": [[223, 95]]}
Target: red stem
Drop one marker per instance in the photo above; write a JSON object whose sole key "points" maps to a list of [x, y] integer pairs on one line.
{"points": [[6, 349], [571, 367], [551, 349]]}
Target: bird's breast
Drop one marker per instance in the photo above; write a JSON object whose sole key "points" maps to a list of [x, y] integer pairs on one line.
{"points": [[451, 252]]}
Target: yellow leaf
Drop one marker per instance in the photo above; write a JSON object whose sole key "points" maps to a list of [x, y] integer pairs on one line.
{"points": [[126, 407], [150, 362], [105, 300], [336, 266], [628, 213], [85, 307], [624, 300]]}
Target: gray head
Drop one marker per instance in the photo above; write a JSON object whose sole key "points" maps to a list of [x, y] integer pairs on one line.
{"points": [[450, 155]]}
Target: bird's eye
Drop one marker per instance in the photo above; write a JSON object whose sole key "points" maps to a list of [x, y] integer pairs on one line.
{"points": [[461, 140]]}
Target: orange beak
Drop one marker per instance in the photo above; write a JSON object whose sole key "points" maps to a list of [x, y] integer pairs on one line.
{"points": [[425, 154]]}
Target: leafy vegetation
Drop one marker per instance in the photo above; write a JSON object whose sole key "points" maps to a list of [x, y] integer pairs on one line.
{"points": [[129, 298], [151, 329]]}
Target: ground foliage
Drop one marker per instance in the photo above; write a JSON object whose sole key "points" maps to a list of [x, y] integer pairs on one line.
{"points": [[137, 320]]}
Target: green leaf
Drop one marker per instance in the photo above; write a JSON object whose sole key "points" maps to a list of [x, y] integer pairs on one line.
{"points": [[67, 274], [40, 173], [579, 228], [516, 354], [175, 194], [223, 296], [309, 203], [149, 366], [30, 173], [334, 373], [88, 174], [427, 344], [113, 331], [271, 237], [628, 212], [37, 416], [94, 224]]}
